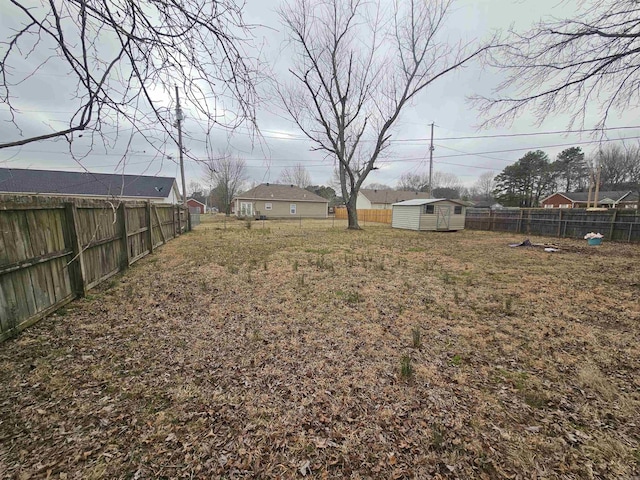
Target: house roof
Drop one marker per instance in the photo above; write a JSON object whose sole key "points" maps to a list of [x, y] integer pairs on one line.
{"points": [[54, 182], [275, 191], [194, 200], [424, 201], [615, 195], [391, 196]]}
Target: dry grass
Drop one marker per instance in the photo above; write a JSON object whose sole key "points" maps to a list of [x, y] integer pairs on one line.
{"points": [[277, 352]]}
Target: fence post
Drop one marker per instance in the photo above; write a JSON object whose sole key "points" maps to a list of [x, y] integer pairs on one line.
{"points": [[559, 223], [490, 220], [173, 220], [179, 220], [77, 274], [519, 222], [150, 226], [125, 237], [613, 223]]}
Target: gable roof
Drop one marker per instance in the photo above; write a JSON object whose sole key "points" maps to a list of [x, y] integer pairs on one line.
{"points": [[424, 201], [54, 182], [615, 195], [391, 196], [275, 191], [194, 200]]}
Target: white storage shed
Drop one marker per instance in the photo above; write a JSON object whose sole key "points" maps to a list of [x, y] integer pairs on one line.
{"points": [[432, 214]]}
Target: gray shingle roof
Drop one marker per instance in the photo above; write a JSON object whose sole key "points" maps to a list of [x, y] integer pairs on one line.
{"points": [[18, 180], [425, 201], [582, 196], [391, 196], [275, 191]]}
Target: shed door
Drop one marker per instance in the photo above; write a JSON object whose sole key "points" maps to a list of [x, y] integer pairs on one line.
{"points": [[443, 215]]}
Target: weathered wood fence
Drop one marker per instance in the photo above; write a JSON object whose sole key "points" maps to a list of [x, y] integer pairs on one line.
{"points": [[367, 215], [618, 225], [53, 250]]}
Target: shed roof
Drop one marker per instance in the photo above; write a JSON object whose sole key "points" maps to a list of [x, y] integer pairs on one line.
{"points": [[197, 201], [391, 196], [424, 201], [275, 191], [54, 182]]}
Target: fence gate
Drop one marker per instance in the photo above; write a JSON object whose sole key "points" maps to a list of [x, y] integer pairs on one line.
{"points": [[443, 216]]}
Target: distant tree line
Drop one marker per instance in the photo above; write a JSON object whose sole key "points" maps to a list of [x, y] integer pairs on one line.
{"points": [[534, 176]]}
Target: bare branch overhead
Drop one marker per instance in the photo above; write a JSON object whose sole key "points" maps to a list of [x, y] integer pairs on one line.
{"points": [[570, 66], [124, 58]]}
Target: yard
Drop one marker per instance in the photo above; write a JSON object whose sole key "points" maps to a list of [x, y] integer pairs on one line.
{"points": [[289, 350]]}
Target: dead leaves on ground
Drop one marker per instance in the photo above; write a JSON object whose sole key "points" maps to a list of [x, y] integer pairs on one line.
{"points": [[276, 353]]}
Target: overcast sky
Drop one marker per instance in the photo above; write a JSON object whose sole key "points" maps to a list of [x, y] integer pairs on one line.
{"points": [[44, 102]]}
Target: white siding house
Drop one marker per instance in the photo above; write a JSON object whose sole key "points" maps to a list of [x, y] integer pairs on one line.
{"points": [[373, 199], [434, 214]]}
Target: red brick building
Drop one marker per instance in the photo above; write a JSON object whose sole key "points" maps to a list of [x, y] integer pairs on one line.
{"points": [[195, 206], [606, 199]]}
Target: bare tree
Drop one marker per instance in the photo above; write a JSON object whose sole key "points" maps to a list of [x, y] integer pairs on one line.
{"points": [[378, 186], [356, 69], [194, 188], [296, 175], [445, 180], [485, 185], [412, 182], [123, 59], [567, 66], [615, 160], [228, 176]]}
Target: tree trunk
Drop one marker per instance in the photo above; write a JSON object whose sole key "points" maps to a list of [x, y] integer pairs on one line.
{"points": [[352, 213]]}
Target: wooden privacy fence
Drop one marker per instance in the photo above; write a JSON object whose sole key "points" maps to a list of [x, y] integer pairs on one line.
{"points": [[618, 225], [53, 250], [367, 215]]}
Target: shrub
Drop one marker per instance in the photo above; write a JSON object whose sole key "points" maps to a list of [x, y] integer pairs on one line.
{"points": [[406, 369], [416, 336]]}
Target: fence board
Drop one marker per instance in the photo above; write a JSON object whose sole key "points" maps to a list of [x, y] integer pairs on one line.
{"points": [[55, 249], [619, 225], [367, 215]]}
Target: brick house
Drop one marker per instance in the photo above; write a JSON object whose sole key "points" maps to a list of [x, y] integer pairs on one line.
{"points": [[606, 199]]}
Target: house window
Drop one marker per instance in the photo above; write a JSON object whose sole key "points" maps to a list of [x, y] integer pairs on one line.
{"points": [[292, 209], [268, 206], [429, 209], [246, 209], [457, 210]]}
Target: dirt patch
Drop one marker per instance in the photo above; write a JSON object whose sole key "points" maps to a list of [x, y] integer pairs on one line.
{"points": [[283, 351]]}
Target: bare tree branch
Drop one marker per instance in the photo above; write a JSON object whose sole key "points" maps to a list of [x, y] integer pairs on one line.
{"points": [[569, 66], [356, 69], [119, 52]]}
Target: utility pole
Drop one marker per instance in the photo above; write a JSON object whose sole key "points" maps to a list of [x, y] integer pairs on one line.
{"points": [[431, 149], [179, 118], [595, 200]]}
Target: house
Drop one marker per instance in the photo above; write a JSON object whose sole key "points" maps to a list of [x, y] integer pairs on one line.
{"points": [[487, 205], [195, 206], [272, 200], [19, 181], [383, 199], [432, 214], [606, 199]]}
